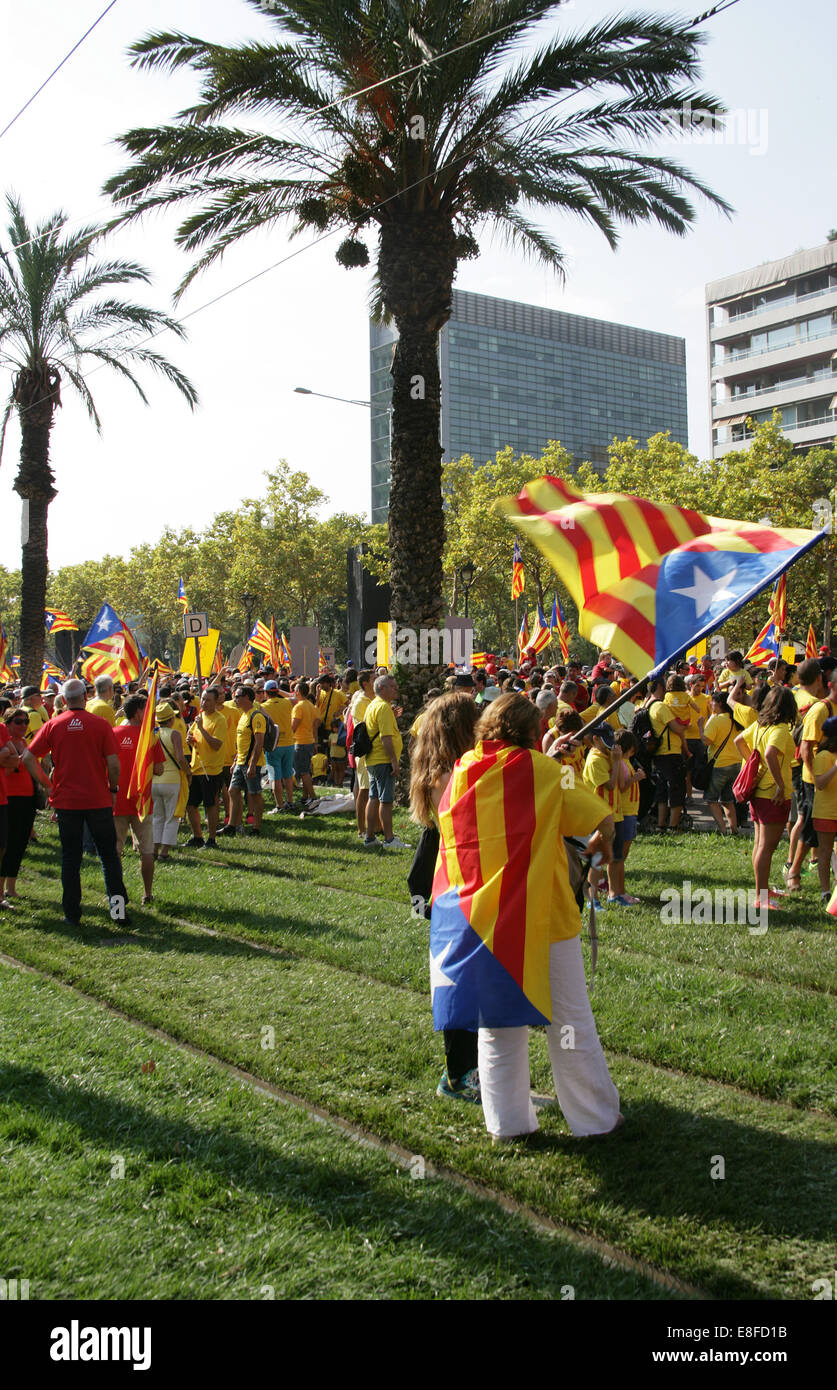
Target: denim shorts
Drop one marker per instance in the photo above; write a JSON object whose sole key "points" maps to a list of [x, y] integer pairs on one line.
{"points": [[381, 782], [280, 761], [303, 753], [241, 782]]}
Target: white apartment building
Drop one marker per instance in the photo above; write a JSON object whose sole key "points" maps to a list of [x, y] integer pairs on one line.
{"points": [[772, 334]]}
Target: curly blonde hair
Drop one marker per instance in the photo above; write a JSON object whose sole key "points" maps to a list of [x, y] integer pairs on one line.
{"points": [[446, 732]]}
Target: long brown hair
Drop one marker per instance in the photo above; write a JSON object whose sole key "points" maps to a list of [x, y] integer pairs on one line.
{"points": [[446, 732]]}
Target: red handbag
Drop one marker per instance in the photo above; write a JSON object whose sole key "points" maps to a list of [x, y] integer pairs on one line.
{"points": [[745, 783]]}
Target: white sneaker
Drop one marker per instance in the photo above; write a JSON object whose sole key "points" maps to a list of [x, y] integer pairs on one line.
{"points": [[394, 843]]}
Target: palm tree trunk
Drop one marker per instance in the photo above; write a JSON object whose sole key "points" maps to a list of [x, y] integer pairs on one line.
{"points": [[34, 485], [416, 268]]}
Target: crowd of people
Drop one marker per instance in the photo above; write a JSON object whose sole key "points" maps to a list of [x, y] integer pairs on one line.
{"points": [[615, 759]]}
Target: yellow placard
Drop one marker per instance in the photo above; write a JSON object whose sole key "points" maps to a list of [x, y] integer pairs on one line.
{"points": [[697, 651], [789, 655], [385, 638], [208, 646]]}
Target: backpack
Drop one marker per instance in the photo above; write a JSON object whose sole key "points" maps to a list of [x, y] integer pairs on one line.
{"points": [[271, 733], [341, 736], [643, 731], [361, 743]]}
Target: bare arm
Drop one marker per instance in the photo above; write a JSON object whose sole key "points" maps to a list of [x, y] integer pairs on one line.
{"points": [[112, 760], [33, 767]]}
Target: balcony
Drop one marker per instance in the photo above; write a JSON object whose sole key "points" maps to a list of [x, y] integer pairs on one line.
{"points": [[751, 360], [771, 315], [777, 396], [809, 432]]}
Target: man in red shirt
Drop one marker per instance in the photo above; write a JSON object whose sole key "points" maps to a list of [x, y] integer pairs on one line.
{"points": [[85, 784], [125, 814]]}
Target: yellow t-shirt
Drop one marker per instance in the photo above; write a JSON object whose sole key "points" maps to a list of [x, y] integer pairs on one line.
{"points": [[414, 727], [716, 728], [812, 727], [698, 709], [206, 761], [825, 798], [597, 773], [250, 724], [380, 720], [630, 795], [744, 714], [774, 736], [332, 700], [37, 719], [103, 708], [679, 702], [360, 704], [232, 714], [661, 716], [319, 763], [728, 678], [281, 712], [592, 712], [336, 749], [305, 712]]}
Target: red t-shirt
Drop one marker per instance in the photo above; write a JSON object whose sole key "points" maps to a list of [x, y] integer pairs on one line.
{"points": [[5, 737], [79, 743], [127, 738]]}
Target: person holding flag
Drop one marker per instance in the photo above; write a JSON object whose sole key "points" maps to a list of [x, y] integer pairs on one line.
{"points": [[505, 948], [133, 740]]}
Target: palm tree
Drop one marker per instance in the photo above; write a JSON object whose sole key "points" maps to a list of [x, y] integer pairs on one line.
{"points": [[467, 138], [49, 331]]}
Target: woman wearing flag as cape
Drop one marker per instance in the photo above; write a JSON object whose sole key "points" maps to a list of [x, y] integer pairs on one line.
{"points": [[505, 949]]}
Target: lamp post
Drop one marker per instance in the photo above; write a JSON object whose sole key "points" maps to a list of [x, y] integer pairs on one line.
{"points": [[249, 601], [346, 400], [467, 571]]}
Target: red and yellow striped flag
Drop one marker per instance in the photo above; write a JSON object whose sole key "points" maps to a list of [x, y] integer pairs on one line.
{"points": [[811, 642], [501, 892], [650, 579], [518, 577], [139, 785], [778, 606]]}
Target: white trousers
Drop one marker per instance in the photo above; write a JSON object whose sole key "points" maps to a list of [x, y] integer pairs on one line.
{"points": [[585, 1092], [166, 795]]}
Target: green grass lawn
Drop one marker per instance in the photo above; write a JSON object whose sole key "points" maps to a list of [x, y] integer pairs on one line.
{"points": [[313, 977]]}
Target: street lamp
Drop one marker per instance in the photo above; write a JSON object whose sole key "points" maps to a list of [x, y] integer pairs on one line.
{"points": [[369, 405], [306, 391], [467, 571], [249, 601]]}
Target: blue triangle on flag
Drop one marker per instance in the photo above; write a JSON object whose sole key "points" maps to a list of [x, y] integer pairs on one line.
{"points": [[481, 992]]}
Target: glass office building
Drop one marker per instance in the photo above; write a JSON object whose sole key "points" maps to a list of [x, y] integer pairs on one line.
{"points": [[516, 374]]}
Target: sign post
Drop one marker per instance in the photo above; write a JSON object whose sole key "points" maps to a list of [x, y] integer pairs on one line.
{"points": [[196, 625]]}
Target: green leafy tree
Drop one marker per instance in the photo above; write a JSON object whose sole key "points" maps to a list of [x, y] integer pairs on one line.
{"points": [[473, 135], [52, 327]]}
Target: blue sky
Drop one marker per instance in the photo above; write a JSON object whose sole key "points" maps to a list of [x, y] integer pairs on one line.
{"points": [[304, 323]]}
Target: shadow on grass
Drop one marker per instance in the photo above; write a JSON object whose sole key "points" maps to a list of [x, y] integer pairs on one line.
{"points": [[476, 1235]]}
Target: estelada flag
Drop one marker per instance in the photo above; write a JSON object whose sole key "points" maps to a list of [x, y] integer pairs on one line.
{"points": [[778, 606], [259, 638], [500, 878], [285, 650], [650, 579], [275, 649], [518, 577], [541, 635], [811, 642], [558, 624], [56, 621], [139, 784], [181, 596], [113, 647], [765, 647]]}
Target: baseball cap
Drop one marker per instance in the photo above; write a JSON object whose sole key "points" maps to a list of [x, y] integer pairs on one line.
{"points": [[271, 685], [29, 690]]}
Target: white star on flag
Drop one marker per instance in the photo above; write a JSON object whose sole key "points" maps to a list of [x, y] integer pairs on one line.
{"points": [[105, 625], [706, 590], [437, 976]]}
